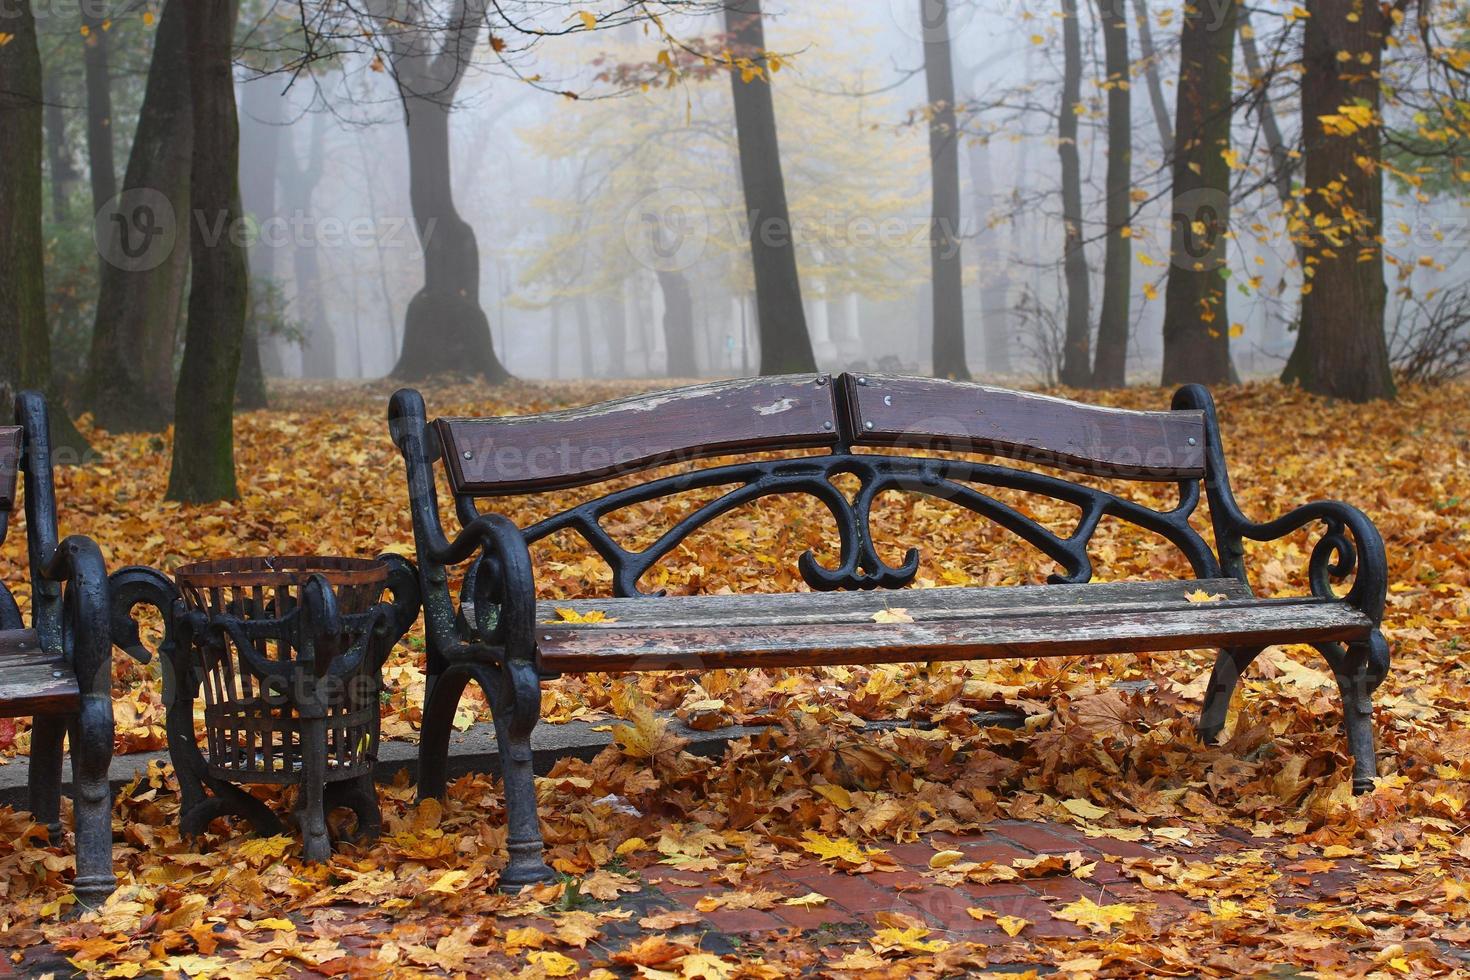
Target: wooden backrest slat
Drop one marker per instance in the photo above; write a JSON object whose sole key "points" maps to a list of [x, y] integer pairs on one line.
{"points": [[930, 413], [555, 450], [10, 443]]}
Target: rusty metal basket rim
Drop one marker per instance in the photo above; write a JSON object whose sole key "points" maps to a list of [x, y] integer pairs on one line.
{"points": [[276, 570]]}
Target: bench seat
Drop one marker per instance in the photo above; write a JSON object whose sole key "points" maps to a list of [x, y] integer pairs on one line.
{"points": [[799, 629], [28, 686]]}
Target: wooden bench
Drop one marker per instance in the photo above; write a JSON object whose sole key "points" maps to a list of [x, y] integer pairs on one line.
{"points": [[499, 636], [59, 671]]}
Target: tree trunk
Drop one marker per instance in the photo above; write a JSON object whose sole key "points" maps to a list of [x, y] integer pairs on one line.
{"points": [[298, 185], [679, 359], [944, 218], [260, 150], [786, 347], [584, 336], [1283, 163], [993, 266], [617, 333], [99, 108], [445, 331], [1151, 75], [1111, 367], [24, 337], [204, 443], [1076, 359], [260, 147], [58, 160], [144, 251], [1196, 311], [1340, 349]]}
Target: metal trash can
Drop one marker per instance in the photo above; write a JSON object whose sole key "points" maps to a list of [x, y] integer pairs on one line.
{"points": [[287, 654]]}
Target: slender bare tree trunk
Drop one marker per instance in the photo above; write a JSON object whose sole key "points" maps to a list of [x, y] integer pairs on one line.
{"points": [[992, 264], [1152, 75], [678, 324], [1283, 161], [1340, 349], [1076, 359], [99, 107], [945, 258], [786, 346], [1111, 367]]}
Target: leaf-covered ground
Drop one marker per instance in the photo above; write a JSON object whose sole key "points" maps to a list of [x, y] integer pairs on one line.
{"points": [[1248, 856]]}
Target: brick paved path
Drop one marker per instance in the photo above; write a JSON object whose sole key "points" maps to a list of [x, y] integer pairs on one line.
{"points": [[858, 905]]}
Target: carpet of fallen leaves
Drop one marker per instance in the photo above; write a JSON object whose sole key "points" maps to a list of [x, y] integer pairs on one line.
{"points": [[1108, 745]]}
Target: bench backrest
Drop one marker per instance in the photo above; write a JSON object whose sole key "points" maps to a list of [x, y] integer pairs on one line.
{"points": [[934, 414], [10, 446], [554, 450], [557, 450]]}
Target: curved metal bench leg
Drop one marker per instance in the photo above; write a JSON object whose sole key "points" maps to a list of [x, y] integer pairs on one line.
{"points": [[515, 705], [1359, 669], [440, 701], [43, 778], [1229, 665], [91, 755]]}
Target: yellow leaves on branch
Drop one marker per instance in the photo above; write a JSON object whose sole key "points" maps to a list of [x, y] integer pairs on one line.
{"points": [[1349, 119]]}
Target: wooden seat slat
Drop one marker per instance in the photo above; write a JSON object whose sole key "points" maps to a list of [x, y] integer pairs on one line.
{"points": [[1055, 631], [793, 608], [27, 684]]}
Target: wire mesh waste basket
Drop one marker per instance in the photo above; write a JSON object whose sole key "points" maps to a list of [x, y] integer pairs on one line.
{"points": [[287, 654]]}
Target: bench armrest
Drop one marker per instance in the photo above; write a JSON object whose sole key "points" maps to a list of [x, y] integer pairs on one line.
{"points": [[86, 633], [497, 615], [1350, 544]]}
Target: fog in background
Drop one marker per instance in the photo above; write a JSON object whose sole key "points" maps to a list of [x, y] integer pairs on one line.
{"points": [[565, 196]]}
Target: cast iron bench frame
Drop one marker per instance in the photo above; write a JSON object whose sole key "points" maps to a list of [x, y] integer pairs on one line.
{"points": [[59, 671], [496, 636]]}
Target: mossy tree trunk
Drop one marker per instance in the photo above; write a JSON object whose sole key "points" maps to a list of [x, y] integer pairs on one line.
{"points": [[25, 342], [204, 442]]}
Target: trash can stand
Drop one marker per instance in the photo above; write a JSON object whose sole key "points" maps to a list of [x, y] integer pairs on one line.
{"points": [[294, 691]]}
